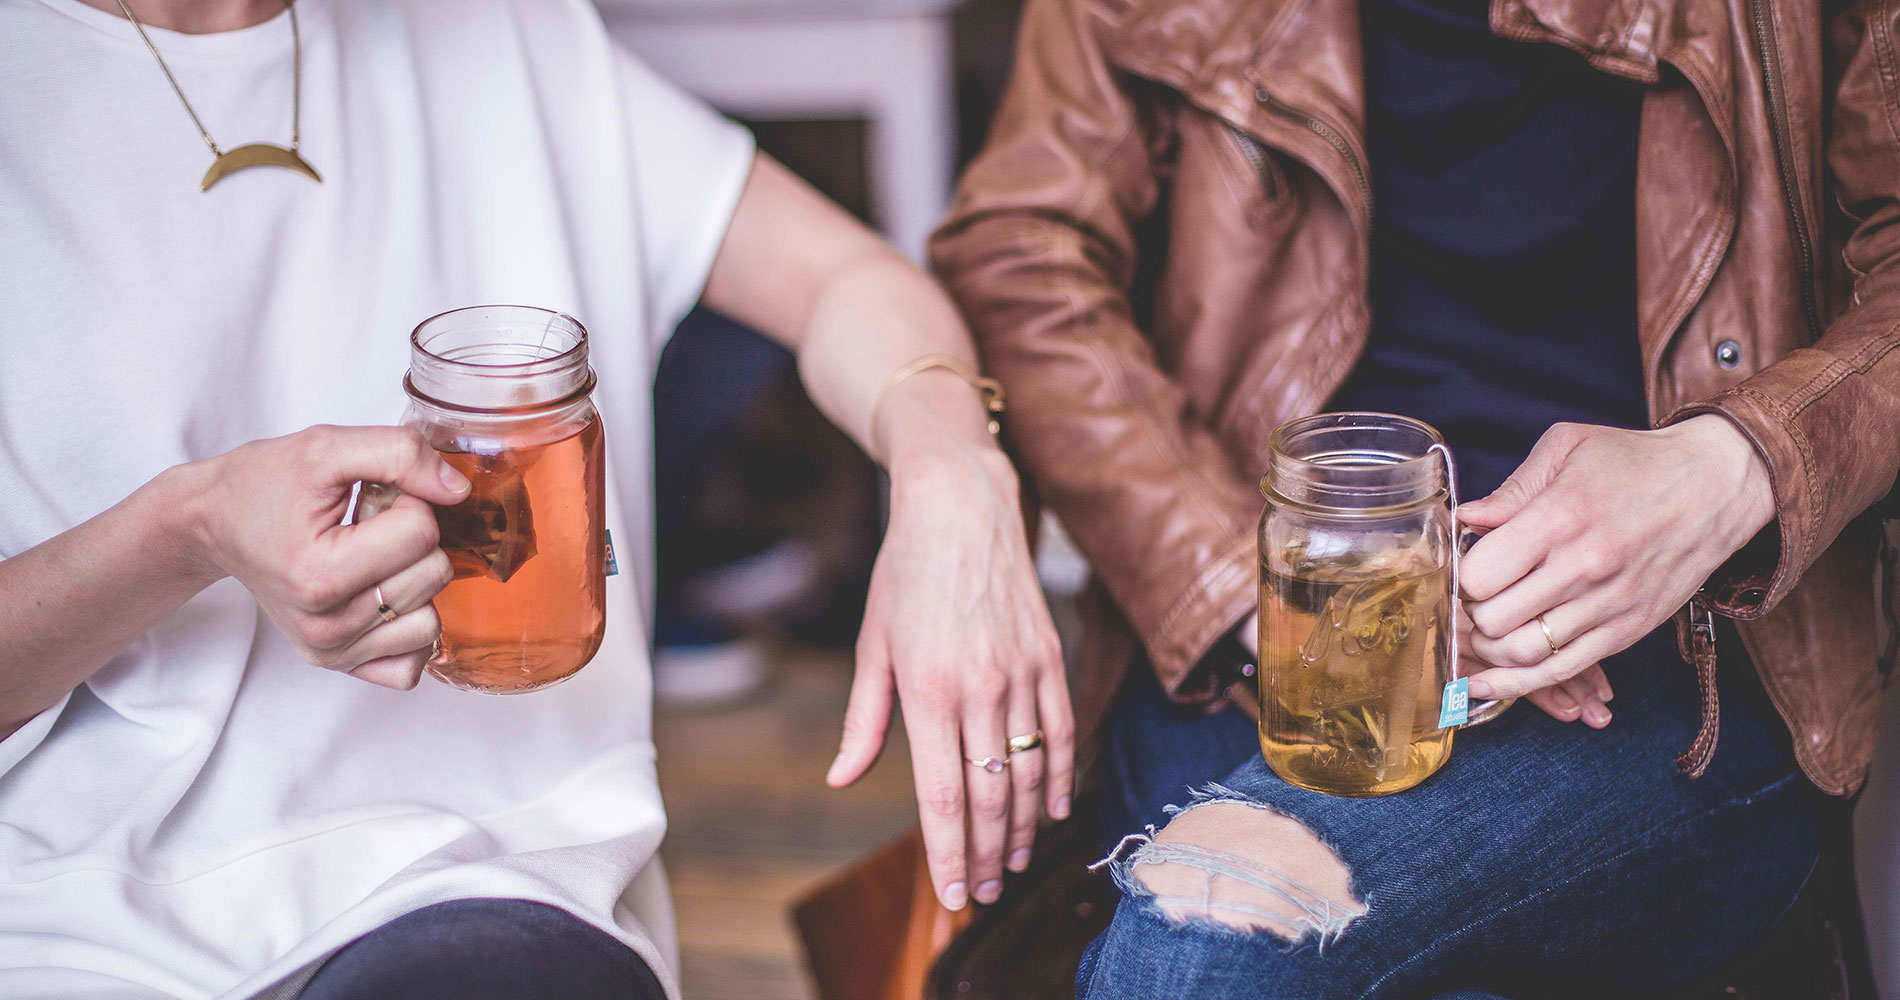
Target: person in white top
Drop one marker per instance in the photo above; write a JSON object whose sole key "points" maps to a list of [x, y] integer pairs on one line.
{"points": [[203, 329]]}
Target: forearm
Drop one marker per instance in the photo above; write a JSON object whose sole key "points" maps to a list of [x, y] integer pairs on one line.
{"points": [[875, 316], [70, 604], [801, 271]]}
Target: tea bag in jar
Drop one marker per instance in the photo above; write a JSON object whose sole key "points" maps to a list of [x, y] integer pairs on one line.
{"points": [[490, 534]]}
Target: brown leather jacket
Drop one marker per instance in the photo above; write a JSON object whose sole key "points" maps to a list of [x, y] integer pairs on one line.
{"points": [[1163, 251]]}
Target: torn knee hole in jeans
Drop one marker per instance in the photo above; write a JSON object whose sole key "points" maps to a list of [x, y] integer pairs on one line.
{"points": [[1228, 861]]}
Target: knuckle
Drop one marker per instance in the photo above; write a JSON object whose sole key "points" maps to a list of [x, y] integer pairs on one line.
{"points": [[1496, 652], [1486, 620], [319, 442], [424, 533], [314, 587], [1596, 564], [934, 692], [946, 863], [989, 685], [857, 727], [1029, 770], [412, 444], [439, 571], [1475, 577], [1526, 651], [412, 665], [428, 622], [944, 801], [318, 435], [325, 634], [328, 659], [989, 800]]}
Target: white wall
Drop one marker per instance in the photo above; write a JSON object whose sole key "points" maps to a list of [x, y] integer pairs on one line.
{"points": [[1877, 851]]}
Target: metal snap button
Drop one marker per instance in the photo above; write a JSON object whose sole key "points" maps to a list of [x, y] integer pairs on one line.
{"points": [[1260, 94], [1728, 354]]}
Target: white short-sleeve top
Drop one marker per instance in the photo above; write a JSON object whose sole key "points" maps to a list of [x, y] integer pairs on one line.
{"points": [[208, 814]]}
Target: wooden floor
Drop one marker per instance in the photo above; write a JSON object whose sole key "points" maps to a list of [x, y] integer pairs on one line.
{"points": [[752, 825]]}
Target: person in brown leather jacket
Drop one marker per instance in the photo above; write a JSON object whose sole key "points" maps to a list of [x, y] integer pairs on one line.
{"points": [[1640, 263]]}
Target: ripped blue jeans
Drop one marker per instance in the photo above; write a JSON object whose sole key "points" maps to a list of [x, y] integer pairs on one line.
{"points": [[1544, 860]]}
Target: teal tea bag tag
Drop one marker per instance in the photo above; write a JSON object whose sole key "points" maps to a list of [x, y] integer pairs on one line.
{"points": [[613, 565], [1456, 707]]}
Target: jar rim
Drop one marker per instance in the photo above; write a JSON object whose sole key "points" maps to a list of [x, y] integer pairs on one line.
{"points": [[580, 393], [552, 361], [1424, 463]]}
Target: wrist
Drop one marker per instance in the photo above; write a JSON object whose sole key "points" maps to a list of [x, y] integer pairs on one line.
{"points": [[952, 462], [931, 410], [1751, 493], [172, 527]]}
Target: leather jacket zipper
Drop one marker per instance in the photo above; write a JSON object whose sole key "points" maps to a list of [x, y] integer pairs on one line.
{"points": [[1325, 130], [1255, 154], [1784, 154]]}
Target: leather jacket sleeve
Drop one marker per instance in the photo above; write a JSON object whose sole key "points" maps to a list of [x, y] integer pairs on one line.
{"points": [[1826, 418], [1040, 250]]}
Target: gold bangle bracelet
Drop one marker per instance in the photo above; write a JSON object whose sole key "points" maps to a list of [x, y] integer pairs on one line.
{"points": [[990, 389]]}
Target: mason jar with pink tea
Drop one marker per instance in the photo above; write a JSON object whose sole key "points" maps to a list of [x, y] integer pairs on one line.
{"points": [[504, 394]]}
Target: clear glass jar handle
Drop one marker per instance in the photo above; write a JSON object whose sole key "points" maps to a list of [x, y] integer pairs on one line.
{"points": [[1480, 712]]}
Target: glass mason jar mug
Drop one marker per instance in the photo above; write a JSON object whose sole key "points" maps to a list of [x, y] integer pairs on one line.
{"points": [[1357, 583], [504, 394]]}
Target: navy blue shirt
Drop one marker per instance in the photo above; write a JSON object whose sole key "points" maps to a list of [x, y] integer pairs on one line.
{"points": [[1503, 280]]}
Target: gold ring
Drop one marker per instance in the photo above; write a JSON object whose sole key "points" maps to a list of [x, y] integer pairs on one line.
{"points": [[1023, 744], [993, 765], [383, 610], [1551, 639]]}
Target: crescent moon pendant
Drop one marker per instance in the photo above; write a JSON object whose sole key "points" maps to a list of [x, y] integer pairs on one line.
{"points": [[256, 154]]}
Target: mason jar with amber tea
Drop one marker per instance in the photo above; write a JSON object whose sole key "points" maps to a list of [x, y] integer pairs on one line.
{"points": [[504, 394], [1357, 558]]}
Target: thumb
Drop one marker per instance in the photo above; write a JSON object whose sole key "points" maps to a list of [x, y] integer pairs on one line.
{"points": [[1531, 478], [395, 456], [866, 719]]}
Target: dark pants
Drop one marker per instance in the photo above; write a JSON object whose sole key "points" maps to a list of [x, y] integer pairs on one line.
{"points": [[485, 949], [1543, 860]]}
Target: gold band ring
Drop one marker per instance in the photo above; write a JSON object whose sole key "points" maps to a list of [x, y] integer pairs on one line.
{"points": [[383, 610], [1551, 639], [1023, 744], [993, 765]]}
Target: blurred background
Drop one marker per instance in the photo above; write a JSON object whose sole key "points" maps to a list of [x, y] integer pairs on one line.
{"points": [[769, 518]]}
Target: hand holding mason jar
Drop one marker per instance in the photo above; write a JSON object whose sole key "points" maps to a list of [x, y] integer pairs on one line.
{"points": [[1358, 578], [504, 395]]}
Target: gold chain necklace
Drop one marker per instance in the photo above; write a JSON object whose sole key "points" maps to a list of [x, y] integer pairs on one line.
{"points": [[256, 154]]}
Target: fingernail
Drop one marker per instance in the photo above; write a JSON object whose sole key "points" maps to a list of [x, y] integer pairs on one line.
{"points": [[1563, 700], [955, 895], [1019, 861], [988, 892], [1062, 808], [452, 479], [1605, 695], [1480, 689], [1597, 714]]}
